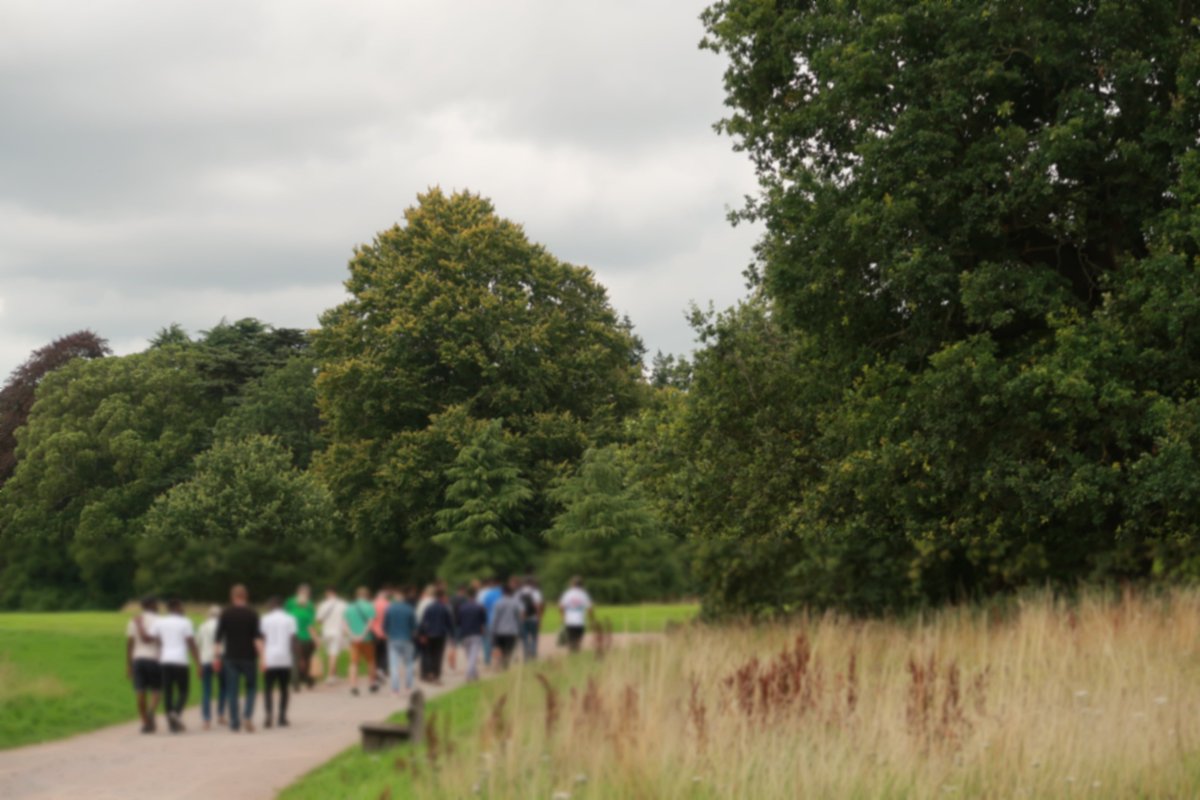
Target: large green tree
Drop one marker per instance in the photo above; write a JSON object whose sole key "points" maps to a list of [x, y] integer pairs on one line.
{"points": [[246, 515], [453, 317], [103, 439], [608, 533], [983, 217]]}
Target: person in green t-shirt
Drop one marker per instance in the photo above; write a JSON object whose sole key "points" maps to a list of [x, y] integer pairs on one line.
{"points": [[362, 642], [301, 608]]}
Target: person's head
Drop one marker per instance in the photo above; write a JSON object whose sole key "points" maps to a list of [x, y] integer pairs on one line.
{"points": [[214, 612], [238, 595], [384, 592], [439, 594], [149, 603], [363, 593], [530, 581], [303, 593], [273, 602], [476, 585], [330, 592], [507, 589], [462, 589], [175, 605], [430, 591], [577, 582]]}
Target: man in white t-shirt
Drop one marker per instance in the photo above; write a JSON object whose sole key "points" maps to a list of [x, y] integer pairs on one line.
{"points": [[279, 642], [176, 637], [141, 664], [331, 614], [576, 607]]}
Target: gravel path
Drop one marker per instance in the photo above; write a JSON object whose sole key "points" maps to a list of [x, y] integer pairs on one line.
{"points": [[118, 763]]}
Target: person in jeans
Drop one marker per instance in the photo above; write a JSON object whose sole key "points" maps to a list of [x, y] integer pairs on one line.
{"points": [[300, 606], [279, 635], [576, 607], [488, 597], [472, 623], [400, 627], [434, 628], [206, 640], [141, 664], [506, 624], [532, 607], [362, 645], [175, 636], [240, 639]]}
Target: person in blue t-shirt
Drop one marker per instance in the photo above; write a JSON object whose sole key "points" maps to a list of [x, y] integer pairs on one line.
{"points": [[400, 627], [488, 597]]}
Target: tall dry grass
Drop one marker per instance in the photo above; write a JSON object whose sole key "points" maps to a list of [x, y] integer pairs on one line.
{"points": [[1098, 698]]}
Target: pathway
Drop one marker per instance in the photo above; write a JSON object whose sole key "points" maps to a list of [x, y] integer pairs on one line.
{"points": [[118, 763]]}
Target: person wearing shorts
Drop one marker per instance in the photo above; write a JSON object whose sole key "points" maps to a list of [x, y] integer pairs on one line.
{"points": [[506, 624], [362, 643], [331, 614], [576, 607], [141, 664], [175, 636]]}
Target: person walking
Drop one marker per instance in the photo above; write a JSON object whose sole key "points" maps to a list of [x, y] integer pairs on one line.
{"points": [[358, 618], [383, 599], [300, 607], [280, 640], [576, 607], [240, 639], [506, 624], [400, 627], [532, 608], [488, 597], [335, 638], [141, 664], [435, 626], [176, 637], [456, 600], [206, 640], [472, 624]]}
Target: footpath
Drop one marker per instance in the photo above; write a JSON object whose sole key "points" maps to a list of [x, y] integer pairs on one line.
{"points": [[119, 763]]}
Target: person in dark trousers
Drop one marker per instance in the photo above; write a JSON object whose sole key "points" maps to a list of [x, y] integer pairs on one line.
{"points": [[471, 626], [240, 638], [280, 635], [506, 624], [532, 609], [436, 625], [300, 606], [141, 664], [176, 638]]}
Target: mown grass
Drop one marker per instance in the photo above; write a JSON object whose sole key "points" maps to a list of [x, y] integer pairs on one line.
{"points": [[64, 673], [1045, 698]]}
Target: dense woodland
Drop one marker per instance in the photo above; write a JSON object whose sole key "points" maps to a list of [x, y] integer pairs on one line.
{"points": [[968, 359]]}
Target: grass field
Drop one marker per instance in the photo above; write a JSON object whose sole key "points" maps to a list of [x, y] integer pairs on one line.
{"points": [[65, 673], [1098, 698]]}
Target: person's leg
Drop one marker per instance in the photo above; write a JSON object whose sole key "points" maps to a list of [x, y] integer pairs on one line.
{"points": [[206, 687], [251, 670], [222, 698], [283, 699], [309, 650], [487, 649], [355, 652], [394, 657], [268, 694], [372, 666], [408, 652], [473, 646], [333, 648], [154, 693], [439, 654], [231, 695]]}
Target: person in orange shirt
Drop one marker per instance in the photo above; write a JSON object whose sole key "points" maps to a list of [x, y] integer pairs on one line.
{"points": [[383, 598]]}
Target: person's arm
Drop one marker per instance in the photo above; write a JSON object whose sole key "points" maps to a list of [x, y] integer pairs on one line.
{"points": [[129, 657], [195, 651], [143, 634]]}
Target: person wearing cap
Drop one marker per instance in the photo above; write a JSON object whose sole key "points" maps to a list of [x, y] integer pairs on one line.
{"points": [[206, 640]]}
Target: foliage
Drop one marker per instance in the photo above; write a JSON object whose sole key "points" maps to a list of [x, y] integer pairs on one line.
{"points": [[246, 515], [282, 403], [455, 317], [104, 438], [609, 534], [484, 502], [982, 231], [17, 394]]}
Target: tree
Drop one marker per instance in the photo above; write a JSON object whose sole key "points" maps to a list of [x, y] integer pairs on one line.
{"points": [[981, 223], [455, 317], [16, 397], [103, 439], [282, 403], [608, 532], [246, 515], [484, 502]]}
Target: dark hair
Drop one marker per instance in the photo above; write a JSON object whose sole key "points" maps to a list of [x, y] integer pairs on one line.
{"points": [[273, 601], [507, 589], [175, 604], [149, 602]]}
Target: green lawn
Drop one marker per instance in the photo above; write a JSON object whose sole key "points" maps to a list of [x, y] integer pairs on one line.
{"points": [[65, 673]]}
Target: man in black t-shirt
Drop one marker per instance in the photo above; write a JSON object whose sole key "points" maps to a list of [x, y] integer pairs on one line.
{"points": [[240, 637]]}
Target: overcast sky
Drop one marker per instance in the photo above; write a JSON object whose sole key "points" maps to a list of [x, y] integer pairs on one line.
{"points": [[184, 161]]}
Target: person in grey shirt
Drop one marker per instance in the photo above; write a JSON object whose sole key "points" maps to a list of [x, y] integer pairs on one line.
{"points": [[506, 624]]}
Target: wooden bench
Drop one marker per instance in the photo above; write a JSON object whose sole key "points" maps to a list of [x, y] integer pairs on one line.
{"points": [[378, 736]]}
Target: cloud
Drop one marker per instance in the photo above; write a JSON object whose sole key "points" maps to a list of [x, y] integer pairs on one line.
{"points": [[180, 161]]}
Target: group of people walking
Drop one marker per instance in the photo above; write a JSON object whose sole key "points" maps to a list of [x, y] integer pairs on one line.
{"points": [[394, 630]]}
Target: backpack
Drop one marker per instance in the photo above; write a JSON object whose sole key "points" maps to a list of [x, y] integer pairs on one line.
{"points": [[528, 605]]}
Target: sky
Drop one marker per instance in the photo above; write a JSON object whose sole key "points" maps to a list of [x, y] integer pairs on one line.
{"points": [[181, 161]]}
